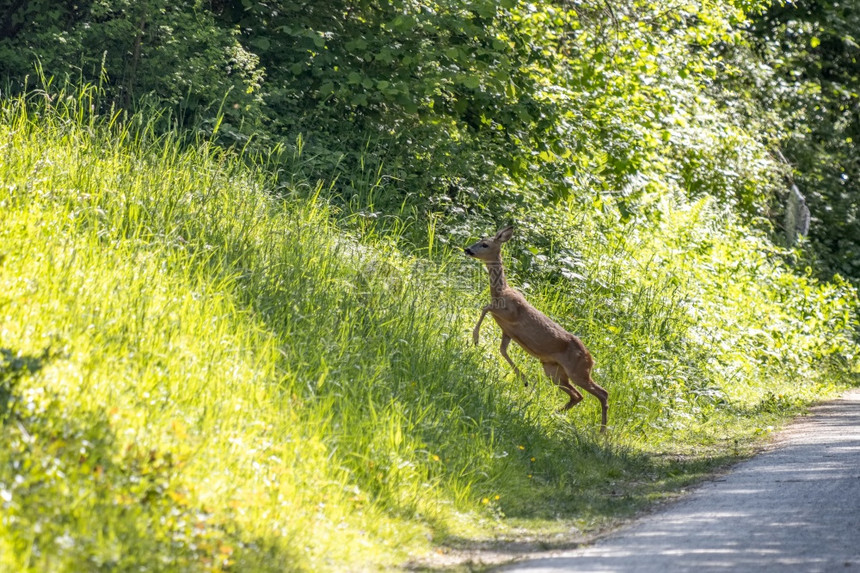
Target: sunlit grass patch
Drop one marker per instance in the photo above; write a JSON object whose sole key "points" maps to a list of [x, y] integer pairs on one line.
{"points": [[171, 415]]}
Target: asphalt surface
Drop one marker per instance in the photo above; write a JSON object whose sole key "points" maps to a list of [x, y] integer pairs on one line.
{"points": [[795, 507]]}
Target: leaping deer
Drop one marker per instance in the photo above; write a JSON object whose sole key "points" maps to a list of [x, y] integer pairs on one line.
{"points": [[564, 357]]}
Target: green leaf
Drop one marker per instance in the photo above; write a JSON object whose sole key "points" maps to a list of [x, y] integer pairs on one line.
{"points": [[357, 45], [408, 104], [471, 82], [261, 43]]}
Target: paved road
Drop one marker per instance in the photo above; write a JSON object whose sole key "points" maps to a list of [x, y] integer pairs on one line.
{"points": [[794, 508]]}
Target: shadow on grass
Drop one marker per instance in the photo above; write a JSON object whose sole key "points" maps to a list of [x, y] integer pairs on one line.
{"points": [[15, 366], [662, 480]]}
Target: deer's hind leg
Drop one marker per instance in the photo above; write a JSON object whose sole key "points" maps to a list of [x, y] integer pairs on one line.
{"points": [[579, 371], [557, 374]]}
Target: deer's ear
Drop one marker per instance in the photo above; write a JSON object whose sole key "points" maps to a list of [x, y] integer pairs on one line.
{"points": [[504, 235]]}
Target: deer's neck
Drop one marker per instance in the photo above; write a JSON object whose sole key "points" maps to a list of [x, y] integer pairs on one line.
{"points": [[498, 283]]}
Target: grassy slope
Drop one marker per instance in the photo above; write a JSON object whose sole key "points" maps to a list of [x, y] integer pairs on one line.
{"points": [[197, 375]]}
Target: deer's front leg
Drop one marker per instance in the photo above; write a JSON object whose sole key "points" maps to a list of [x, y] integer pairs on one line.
{"points": [[476, 334], [504, 350]]}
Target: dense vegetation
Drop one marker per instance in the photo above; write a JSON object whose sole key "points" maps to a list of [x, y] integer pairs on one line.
{"points": [[466, 110], [813, 63], [236, 322]]}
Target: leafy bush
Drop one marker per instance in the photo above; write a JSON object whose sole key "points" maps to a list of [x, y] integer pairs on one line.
{"points": [[809, 56], [170, 54], [470, 109]]}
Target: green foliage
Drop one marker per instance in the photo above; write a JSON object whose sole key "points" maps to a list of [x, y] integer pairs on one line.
{"points": [[168, 53], [483, 107], [813, 61], [472, 109]]}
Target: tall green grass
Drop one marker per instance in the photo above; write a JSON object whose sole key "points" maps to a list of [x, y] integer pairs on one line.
{"points": [[199, 373]]}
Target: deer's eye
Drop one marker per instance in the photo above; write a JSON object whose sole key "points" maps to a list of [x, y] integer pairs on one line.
{"points": [[485, 245]]}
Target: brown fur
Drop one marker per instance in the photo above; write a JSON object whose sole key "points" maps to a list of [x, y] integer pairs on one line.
{"points": [[564, 357]]}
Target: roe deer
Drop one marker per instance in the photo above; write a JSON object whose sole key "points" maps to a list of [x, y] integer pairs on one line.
{"points": [[564, 357]]}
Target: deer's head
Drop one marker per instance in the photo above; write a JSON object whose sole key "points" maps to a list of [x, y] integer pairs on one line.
{"points": [[488, 248]]}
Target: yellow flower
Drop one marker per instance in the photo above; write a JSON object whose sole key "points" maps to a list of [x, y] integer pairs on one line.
{"points": [[485, 500]]}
